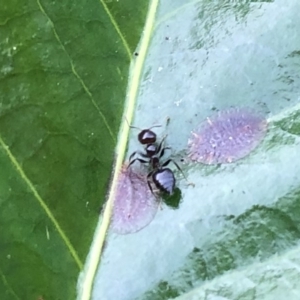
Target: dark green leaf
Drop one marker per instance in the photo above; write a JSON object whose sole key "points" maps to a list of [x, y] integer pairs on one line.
{"points": [[233, 235], [64, 68]]}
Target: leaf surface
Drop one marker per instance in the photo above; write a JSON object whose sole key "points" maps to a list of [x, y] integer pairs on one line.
{"points": [[64, 68], [240, 218]]}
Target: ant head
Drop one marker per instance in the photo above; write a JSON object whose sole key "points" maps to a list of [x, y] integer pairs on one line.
{"points": [[146, 136]]}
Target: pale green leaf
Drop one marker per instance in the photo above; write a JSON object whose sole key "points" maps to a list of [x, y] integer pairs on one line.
{"points": [[240, 218]]}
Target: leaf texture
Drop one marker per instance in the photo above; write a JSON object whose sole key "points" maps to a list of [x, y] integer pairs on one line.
{"points": [[63, 78], [240, 218]]}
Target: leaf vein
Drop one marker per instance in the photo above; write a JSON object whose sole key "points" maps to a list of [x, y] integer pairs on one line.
{"points": [[12, 292], [42, 203], [113, 21], [86, 89], [102, 227]]}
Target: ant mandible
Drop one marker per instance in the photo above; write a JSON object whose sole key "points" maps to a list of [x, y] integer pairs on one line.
{"points": [[162, 177]]}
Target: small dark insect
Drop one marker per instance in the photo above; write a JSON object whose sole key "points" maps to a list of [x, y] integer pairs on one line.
{"points": [[162, 177], [136, 54]]}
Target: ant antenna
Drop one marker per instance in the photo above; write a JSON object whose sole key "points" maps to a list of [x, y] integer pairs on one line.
{"points": [[168, 119], [131, 126], [127, 122]]}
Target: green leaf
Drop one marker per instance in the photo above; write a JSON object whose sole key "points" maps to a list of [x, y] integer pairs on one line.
{"points": [[63, 79], [240, 219]]}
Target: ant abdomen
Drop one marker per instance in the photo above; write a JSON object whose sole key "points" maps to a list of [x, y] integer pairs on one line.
{"points": [[164, 180]]}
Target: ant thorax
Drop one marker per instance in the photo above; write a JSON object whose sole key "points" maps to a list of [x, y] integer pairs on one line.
{"points": [[151, 150]]}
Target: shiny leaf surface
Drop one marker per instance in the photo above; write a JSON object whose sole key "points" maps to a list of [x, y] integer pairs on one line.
{"points": [[240, 218]]}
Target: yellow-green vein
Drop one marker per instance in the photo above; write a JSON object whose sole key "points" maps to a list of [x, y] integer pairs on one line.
{"points": [[113, 21], [11, 291], [86, 89], [93, 260], [41, 202]]}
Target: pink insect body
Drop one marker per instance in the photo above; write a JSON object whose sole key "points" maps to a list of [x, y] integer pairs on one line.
{"points": [[227, 137], [134, 206]]}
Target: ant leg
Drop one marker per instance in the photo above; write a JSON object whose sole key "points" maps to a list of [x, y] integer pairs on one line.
{"points": [[142, 161], [137, 152], [177, 166], [150, 187], [175, 163], [160, 144], [143, 155], [132, 155], [159, 199], [160, 149], [163, 151], [149, 183]]}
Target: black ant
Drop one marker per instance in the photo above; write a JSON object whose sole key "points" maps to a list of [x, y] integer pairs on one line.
{"points": [[162, 177]]}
